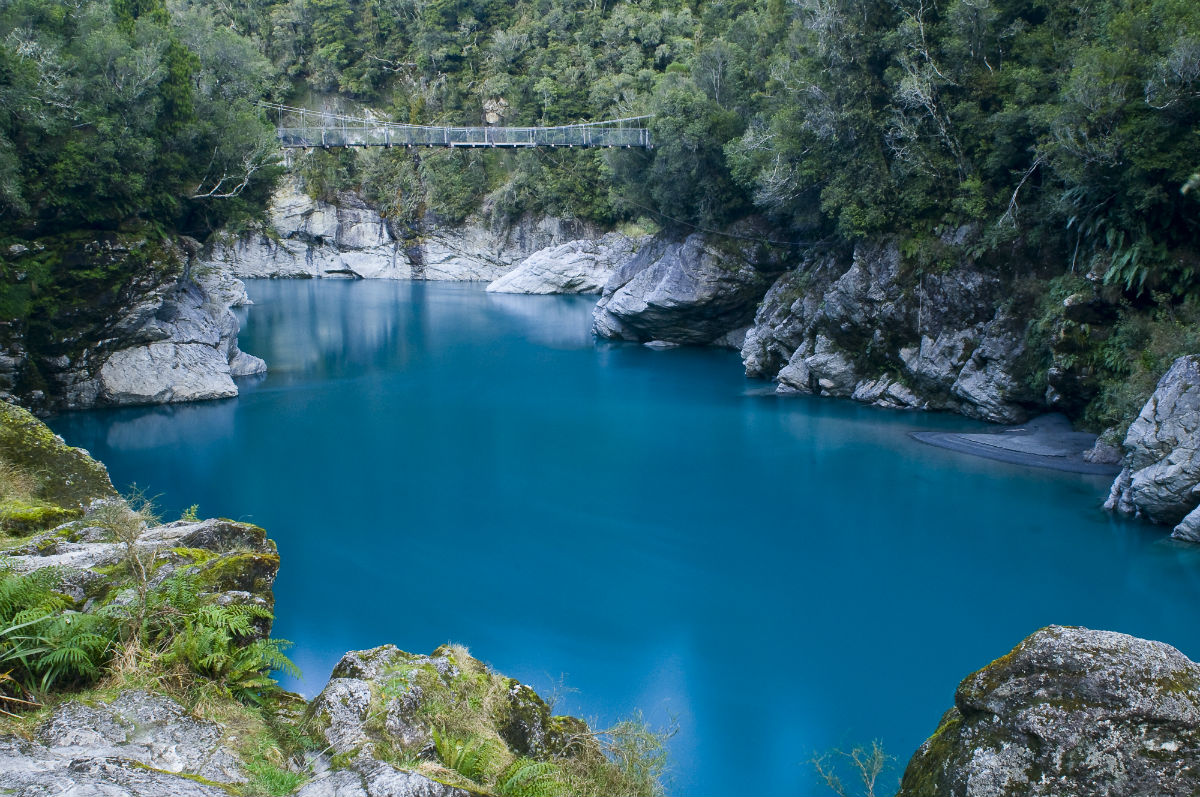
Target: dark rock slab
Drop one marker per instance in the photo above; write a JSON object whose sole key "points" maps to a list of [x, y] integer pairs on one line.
{"points": [[1044, 442]]}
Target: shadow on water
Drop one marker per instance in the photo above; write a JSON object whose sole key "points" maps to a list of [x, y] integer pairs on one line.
{"points": [[783, 575]]}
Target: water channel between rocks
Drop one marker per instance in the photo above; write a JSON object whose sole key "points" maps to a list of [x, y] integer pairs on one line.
{"points": [[780, 575]]}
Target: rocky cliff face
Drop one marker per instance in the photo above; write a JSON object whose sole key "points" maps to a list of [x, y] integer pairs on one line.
{"points": [[349, 238], [168, 336], [1069, 712], [701, 290], [860, 328], [1160, 480]]}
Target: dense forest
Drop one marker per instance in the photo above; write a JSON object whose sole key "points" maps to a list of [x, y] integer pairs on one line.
{"points": [[1002, 130]]}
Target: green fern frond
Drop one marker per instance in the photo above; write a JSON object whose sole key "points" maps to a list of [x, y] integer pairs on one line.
{"points": [[526, 777]]}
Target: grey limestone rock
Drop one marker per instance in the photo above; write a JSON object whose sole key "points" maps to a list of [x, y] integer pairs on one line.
{"points": [[1070, 712], [158, 373], [866, 330], [140, 744], [378, 700], [371, 778], [348, 237], [1161, 476], [238, 565], [168, 337], [691, 291], [574, 267]]}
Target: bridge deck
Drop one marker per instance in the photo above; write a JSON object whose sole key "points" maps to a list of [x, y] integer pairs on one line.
{"points": [[420, 136], [304, 128]]}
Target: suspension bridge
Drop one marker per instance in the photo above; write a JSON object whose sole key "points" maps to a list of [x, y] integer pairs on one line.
{"points": [[302, 128]]}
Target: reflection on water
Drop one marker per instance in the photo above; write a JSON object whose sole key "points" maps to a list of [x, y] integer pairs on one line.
{"points": [[783, 575]]}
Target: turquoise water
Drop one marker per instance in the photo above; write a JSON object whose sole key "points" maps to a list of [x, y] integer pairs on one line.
{"points": [[781, 576]]}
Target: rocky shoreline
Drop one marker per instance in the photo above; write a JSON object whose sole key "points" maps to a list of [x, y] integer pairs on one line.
{"points": [[840, 324]]}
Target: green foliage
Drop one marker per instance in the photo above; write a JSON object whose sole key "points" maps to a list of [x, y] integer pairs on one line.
{"points": [[122, 113], [272, 780], [191, 514], [1136, 355], [474, 758], [526, 777], [218, 642], [44, 645]]}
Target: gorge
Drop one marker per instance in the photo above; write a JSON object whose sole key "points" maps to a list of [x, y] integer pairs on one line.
{"points": [[585, 410]]}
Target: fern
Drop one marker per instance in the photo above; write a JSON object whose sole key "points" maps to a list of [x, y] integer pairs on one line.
{"points": [[216, 642], [472, 758], [526, 777], [42, 642]]}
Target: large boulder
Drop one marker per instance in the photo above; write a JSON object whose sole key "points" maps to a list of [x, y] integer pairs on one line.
{"points": [[383, 704], [866, 328], [1160, 480], [1069, 712], [574, 267], [694, 291]]}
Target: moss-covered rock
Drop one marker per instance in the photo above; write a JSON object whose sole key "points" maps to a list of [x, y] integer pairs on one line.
{"points": [[66, 477], [20, 518], [1068, 713], [446, 715]]}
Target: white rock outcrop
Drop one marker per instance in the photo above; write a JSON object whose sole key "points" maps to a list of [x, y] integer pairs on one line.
{"points": [[1160, 480], [181, 346], [348, 238], [582, 267], [856, 327]]}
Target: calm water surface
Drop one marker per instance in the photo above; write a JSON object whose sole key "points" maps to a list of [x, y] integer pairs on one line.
{"points": [[782, 576]]}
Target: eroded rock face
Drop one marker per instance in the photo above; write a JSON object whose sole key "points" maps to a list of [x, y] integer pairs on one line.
{"points": [[860, 330], [574, 267], [1069, 712], [348, 238], [167, 336], [692, 291], [140, 744], [1160, 480], [184, 350]]}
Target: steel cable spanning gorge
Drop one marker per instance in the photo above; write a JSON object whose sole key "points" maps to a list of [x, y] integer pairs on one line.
{"points": [[301, 128]]}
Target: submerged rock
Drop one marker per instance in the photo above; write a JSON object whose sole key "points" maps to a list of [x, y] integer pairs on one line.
{"points": [[1069, 712], [692, 291], [1160, 480], [574, 267]]}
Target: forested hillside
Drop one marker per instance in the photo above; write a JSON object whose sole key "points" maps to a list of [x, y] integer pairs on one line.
{"points": [[1069, 128], [1061, 136]]}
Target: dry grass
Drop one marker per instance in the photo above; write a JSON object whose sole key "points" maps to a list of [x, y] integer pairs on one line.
{"points": [[16, 484]]}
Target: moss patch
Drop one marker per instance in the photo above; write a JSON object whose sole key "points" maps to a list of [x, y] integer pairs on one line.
{"points": [[18, 518], [66, 477], [245, 572]]}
